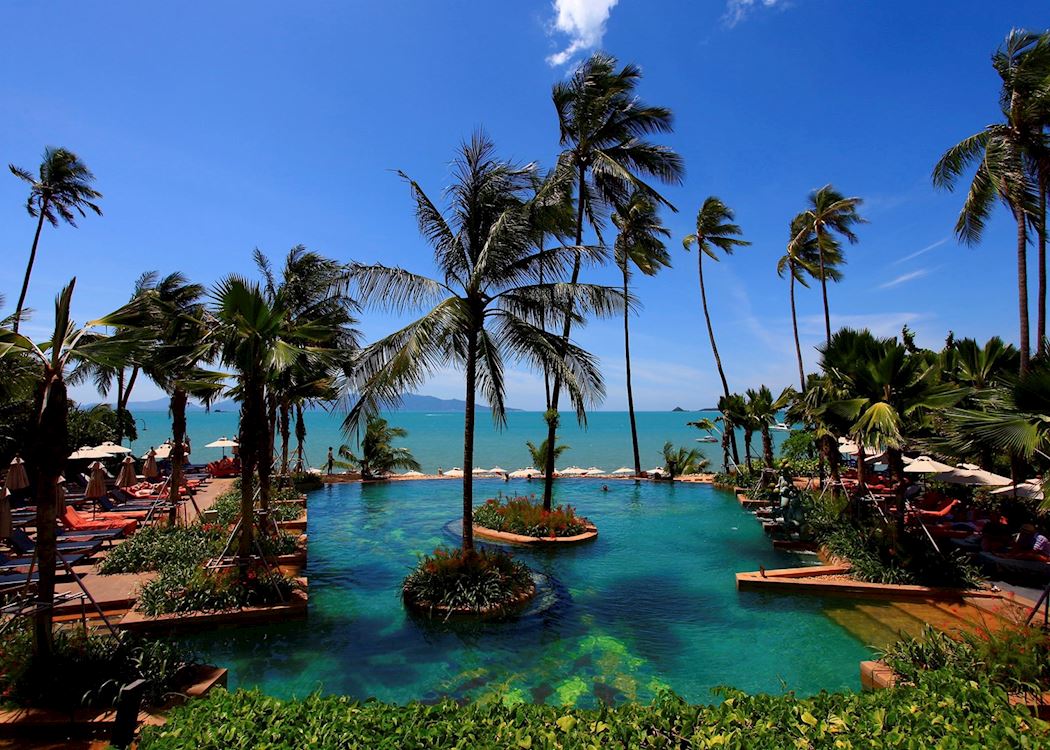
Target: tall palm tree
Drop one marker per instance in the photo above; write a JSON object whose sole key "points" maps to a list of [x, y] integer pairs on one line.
{"points": [[603, 130], [1002, 155], [48, 447], [485, 308], [257, 341], [379, 456], [61, 187], [638, 244], [715, 231], [803, 260], [762, 410], [829, 214]]}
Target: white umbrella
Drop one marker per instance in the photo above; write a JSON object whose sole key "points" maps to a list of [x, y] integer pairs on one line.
{"points": [[112, 448], [96, 486], [16, 478], [497, 470], [479, 470], [926, 465], [573, 471], [1029, 490], [624, 470], [848, 447], [224, 443], [149, 469], [127, 476], [979, 478], [457, 472], [594, 471], [412, 473], [524, 473], [88, 453], [657, 470]]}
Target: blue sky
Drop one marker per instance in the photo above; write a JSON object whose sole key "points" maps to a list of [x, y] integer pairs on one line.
{"points": [[215, 128]]}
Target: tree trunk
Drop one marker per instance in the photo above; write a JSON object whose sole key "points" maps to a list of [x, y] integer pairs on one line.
{"points": [[714, 347], [29, 266], [767, 446], [552, 424], [252, 419], [725, 446], [747, 448], [1040, 326], [794, 326], [48, 453], [285, 433], [627, 359], [862, 469], [178, 435], [300, 437], [120, 403], [1022, 289], [468, 443], [823, 283], [265, 457]]}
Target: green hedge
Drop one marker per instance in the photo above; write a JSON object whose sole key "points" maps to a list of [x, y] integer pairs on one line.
{"points": [[941, 712]]}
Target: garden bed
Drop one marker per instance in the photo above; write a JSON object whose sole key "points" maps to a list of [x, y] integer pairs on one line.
{"points": [[295, 608], [834, 580], [505, 536], [491, 612], [523, 520]]}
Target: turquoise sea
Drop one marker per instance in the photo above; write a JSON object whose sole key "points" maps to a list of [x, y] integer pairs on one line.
{"points": [[436, 438]]}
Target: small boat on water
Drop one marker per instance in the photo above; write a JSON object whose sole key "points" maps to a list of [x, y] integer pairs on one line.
{"points": [[707, 439], [780, 426]]}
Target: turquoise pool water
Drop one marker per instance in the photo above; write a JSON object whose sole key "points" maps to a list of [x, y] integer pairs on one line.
{"points": [[652, 603]]}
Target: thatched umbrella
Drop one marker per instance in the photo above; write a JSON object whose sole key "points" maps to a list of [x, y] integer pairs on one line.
{"points": [[96, 486], [16, 478], [149, 469]]}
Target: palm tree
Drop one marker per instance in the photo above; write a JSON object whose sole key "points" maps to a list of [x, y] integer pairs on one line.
{"points": [[379, 457], [539, 453], [1002, 155], [682, 461], [256, 340], [603, 130], [48, 447], [802, 260], [762, 411], [61, 187], [486, 307], [829, 214], [715, 231], [638, 244]]}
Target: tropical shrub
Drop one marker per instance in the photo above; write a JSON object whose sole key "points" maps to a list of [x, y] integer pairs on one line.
{"points": [[799, 445], [197, 589], [153, 547], [526, 516], [88, 668], [940, 711], [476, 580], [1014, 658], [227, 506]]}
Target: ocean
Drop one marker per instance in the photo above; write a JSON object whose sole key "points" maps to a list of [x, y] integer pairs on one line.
{"points": [[436, 438]]}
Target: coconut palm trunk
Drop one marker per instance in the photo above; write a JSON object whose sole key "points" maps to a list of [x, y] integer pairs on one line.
{"points": [[253, 417], [714, 350], [468, 442], [179, 397], [29, 267], [1022, 288], [794, 326], [767, 446], [47, 458], [747, 447], [627, 359], [300, 437], [285, 433], [1040, 326], [823, 283]]}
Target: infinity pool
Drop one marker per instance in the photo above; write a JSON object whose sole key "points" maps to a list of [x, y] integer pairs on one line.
{"points": [[651, 604]]}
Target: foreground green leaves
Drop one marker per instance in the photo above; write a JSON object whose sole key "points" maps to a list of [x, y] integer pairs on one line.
{"points": [[941, 712]]}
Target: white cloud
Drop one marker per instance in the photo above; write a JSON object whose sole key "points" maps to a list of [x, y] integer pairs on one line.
{"points": [[584, 22], [904, 278], [738, 10], [917, 253]]}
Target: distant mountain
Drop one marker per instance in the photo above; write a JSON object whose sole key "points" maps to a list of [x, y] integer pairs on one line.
{"points": [[678, 408], [411, 402]]}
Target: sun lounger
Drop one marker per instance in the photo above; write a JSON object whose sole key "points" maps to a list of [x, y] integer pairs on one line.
{"points": [[23, 545], [1028, 568], [71, 519]]}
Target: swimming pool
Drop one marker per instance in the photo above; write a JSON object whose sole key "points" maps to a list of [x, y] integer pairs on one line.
{"points": [[651, 604]]}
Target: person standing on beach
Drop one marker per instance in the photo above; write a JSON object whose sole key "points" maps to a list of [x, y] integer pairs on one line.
{"points": [[331, 460]]}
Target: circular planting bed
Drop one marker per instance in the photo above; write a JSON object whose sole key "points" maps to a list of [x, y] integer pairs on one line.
{"points": [[522, 520], [468, 585]]}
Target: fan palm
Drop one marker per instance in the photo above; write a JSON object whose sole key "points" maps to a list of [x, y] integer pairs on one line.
{"points": [[638, 244], [485, 308], [538, 453], [762, 410], [1002, 155], [48, 447], [802, 260], [715, 231], [60, 189], [603, 130], [682, 461], [379, 456]]}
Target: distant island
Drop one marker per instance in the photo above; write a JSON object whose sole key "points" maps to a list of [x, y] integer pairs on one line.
{"points": [[678, 408]]}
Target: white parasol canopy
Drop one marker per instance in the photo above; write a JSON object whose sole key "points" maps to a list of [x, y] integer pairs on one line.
{"points": [[112, 448], [657, 470], [88, 453], [623, 470], [127, 476], [1031, 489], [457, 472], [497, 470], [412, 473], [96, 486], [524, 473], [16, 478], [223, 442], [594, 471], [926, 465], [978, 478], [479, 470], [572, 471]]}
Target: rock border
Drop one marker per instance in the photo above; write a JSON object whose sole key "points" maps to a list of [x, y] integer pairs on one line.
{"points": [[505, 536]]}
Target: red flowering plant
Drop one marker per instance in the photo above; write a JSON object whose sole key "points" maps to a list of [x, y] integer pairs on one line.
{"points": [[526, 516], [475, 580]]}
